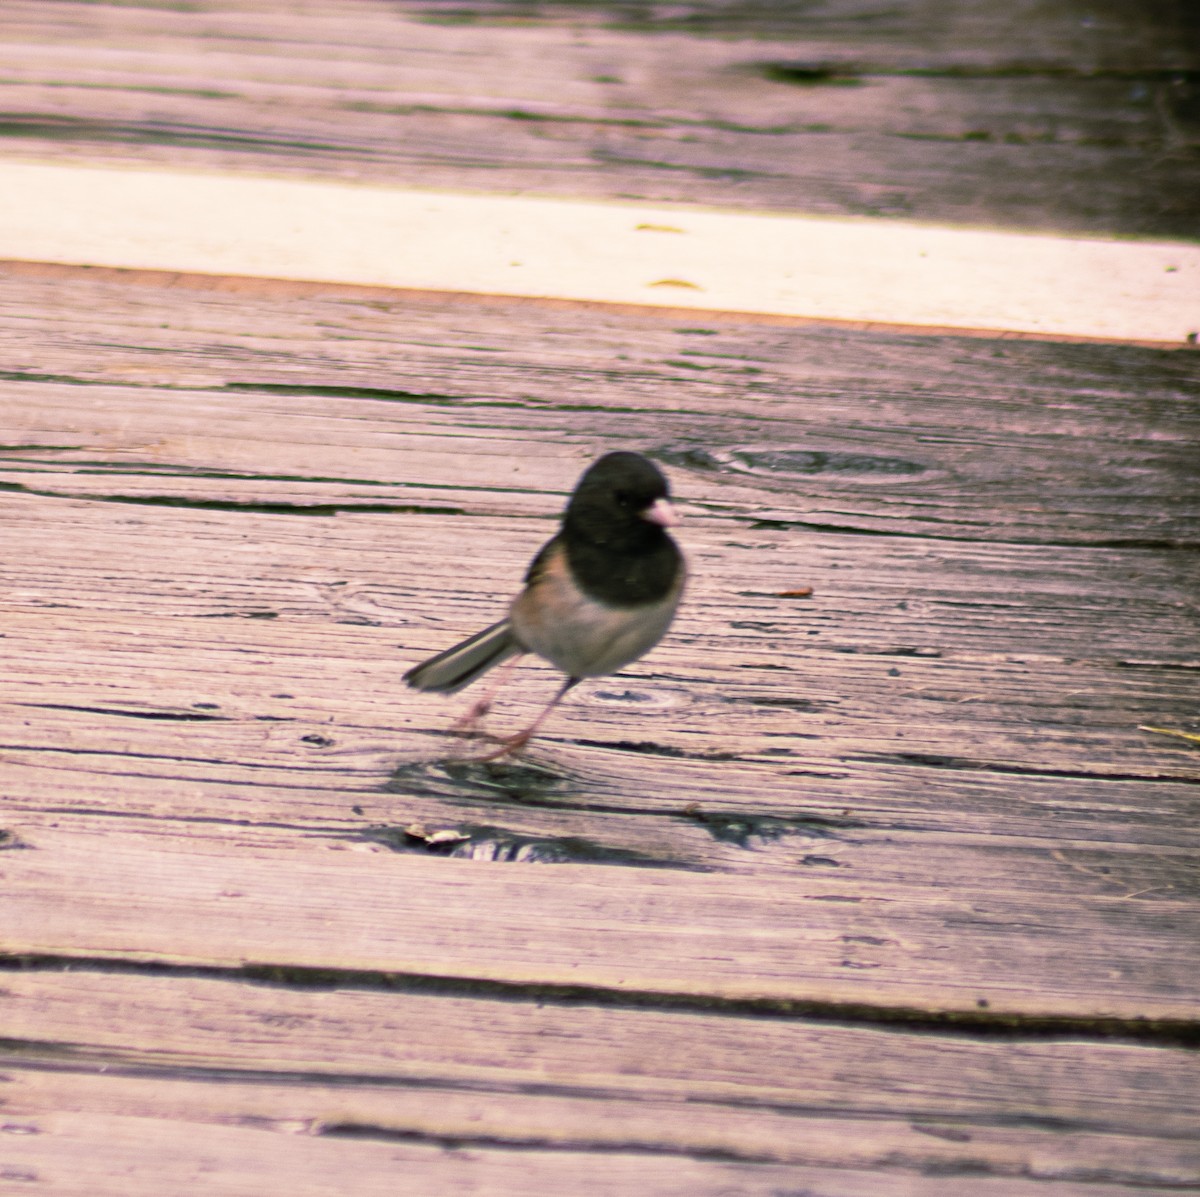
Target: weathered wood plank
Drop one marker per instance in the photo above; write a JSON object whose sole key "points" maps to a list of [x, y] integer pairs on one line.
{"points": [[1028, 117], [947, 437], [938, 810], [523, 1075], [86, 1154], [80, 1155], [197, 894], [940, 738], [318, 709]]}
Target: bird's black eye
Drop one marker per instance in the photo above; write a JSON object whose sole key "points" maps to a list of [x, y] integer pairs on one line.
{"points": [[624, 498]]}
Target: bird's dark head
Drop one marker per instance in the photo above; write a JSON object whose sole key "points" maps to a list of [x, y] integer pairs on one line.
{"points": [[621, 497]]}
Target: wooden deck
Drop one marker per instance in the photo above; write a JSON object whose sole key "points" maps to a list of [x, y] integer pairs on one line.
{"points": [[887, 888]]}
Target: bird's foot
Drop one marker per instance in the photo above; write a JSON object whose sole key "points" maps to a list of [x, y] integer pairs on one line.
{"points": [[467, 724], [509, 746]]}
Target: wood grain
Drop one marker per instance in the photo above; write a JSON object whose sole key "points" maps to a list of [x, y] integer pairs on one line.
{"points": [[1026, 117], [894, 856], [478, 1073], [876, 889], [194, 895], [818, 428], [74, 1154]]}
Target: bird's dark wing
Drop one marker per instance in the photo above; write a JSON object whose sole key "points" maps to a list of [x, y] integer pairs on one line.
{"points": [[539, 565]]}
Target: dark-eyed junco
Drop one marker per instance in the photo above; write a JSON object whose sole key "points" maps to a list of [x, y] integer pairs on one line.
{"points": [[599, 594]]}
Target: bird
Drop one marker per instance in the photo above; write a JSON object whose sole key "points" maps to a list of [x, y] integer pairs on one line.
{"points": [[600, 594]]}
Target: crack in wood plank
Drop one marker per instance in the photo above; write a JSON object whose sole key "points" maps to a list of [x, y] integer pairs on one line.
{"points": [[979, 1023]]}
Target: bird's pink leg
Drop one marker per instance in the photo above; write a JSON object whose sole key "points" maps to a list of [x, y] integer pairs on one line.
{"points": [[465, 724], [514, 744]]}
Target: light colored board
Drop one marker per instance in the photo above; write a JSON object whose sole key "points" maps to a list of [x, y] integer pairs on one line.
{"points": [[703, 259], [1024, 118], [577, 1078]]}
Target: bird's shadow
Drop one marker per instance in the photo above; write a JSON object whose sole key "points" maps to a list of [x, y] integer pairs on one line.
{"points": [[493, 785], [499, 783], [454, 778]]}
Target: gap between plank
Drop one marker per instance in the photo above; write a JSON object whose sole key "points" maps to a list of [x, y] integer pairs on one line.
{"points": [[855, 270], [980, 1023]]}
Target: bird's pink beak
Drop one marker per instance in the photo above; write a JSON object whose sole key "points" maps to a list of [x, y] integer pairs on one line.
{"points": [[661, 512]]}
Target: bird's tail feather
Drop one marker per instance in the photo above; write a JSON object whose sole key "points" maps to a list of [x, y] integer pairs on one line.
{"points": [[459, 666]]}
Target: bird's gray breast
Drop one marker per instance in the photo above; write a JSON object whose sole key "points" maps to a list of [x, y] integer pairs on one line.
{"points": [[581, 636]]}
